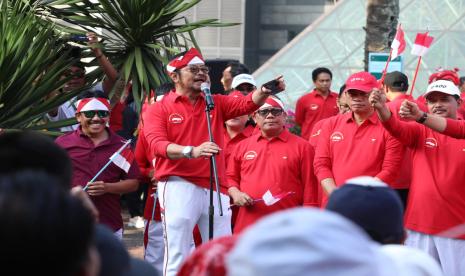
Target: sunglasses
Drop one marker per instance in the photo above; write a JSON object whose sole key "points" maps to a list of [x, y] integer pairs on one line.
{"points": [[273, 111], [196, 69], [91, 113]]}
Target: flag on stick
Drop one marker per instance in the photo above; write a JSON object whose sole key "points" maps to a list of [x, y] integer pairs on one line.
{"points": [[422, 43], [398, 44]]}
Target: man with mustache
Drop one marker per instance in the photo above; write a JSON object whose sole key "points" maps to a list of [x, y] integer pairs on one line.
{"points": [[436, 201], [90, 147]]}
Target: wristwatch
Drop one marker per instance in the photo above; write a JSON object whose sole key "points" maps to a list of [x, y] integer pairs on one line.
{"points": [[187, 151], [423, 117]]}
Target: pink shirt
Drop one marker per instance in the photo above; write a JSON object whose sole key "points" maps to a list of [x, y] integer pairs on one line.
{"points": [[87, 160], [346, 150], [436, 199], [175, 120], [282, 164], [313, 107]]}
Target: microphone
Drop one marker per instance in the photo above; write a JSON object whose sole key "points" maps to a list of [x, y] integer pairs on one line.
{"points": [[205, 87]]}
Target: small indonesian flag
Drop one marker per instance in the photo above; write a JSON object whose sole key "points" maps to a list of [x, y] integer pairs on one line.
{"points": [[270, 199], [422, 44], [123, 159], [398, 44]]}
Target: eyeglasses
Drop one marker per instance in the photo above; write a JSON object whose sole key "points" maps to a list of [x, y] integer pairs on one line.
{"points": [[273, 111], [76, 74], [91, 113], [245, 88], [196, 69]]}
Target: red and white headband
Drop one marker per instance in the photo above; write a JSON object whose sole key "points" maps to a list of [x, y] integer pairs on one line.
{"points": [[272, 102], [89, 104], [191, 57]]}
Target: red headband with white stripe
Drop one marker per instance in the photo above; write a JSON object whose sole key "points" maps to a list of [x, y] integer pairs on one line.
{"points": [[191, 57], [272, 102], [88, 104]]}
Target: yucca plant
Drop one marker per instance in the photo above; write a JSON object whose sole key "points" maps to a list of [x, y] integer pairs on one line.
{"points": [[32, 63], [139, 36]]}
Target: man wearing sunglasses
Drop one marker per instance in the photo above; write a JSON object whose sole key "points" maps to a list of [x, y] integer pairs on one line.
{"points": [[176, 131], [273, 160], [90, 147]]}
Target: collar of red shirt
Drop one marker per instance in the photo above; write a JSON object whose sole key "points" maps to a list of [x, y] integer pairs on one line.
{"points": [[317, 93], [174, 97], [283, 136], [372, 119]]}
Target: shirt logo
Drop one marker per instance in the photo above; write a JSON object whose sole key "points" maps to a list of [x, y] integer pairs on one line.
{"points": [[285, 157], [316, 133], [431, 143], [337, 136], [176, 118], [250, 155], [314, 106], [373, 140]]}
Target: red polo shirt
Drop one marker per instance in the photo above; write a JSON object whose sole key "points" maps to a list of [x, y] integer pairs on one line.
{"points": [[230, 144], [436, 199], [87, 160], [313, 107], [347, 150], [282, 164], [175, 120]]}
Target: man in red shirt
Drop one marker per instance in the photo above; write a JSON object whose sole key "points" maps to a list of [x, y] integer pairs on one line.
{"points": [[90, 147], [318, 104], [273, 161], [176, 132], [437, 200], [356, 143]]}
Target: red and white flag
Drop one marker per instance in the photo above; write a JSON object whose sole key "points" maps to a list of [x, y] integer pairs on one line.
{"points": [[270, 199], [398, 44], [422, 43], [123, 159]]}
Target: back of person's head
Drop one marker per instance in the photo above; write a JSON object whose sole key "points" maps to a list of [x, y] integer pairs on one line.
{"points": [[303, 241], [238, 68], [396, 81], [373, 206], [341, 90], [27, 150], [44, 229], [320, 70]]}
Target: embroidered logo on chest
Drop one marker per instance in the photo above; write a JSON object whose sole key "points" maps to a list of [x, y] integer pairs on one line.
{"points": [[337, 136], [314, 107], [250, 155], [176, 118], [431, 143]]}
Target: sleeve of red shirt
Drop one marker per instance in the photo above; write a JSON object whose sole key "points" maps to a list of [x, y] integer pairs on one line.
{"points": [[323, 164], [233, 107], [155, 130], [455, 128], [394, 151], [310, 195], [406, 133], [299, 112], [145, 165], [233, 169]]}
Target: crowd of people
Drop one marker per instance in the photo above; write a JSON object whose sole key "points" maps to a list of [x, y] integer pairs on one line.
{"points": [[371, 185]]}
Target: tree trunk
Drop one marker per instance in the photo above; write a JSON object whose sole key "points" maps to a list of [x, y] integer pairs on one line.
{"points": [[382, 18]]}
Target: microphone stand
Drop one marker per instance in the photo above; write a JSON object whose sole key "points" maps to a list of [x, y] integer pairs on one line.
{"points": [[213, 170]]}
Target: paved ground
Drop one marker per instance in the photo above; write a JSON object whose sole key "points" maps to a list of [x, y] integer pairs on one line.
{"points": [[133, 238]]}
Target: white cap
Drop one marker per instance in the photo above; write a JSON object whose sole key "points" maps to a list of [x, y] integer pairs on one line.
{"points": [[243, 78], [303, 241], [443, 86]]}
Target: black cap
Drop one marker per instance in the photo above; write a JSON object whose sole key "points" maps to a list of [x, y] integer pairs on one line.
{"points": [[397, 80]]}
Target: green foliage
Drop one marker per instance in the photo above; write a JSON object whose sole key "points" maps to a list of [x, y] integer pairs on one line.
{"points": [[139, 36]]}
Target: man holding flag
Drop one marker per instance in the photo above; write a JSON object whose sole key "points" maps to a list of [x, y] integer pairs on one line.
{"points": [[91, 147], [436, 201], [272, 170]]}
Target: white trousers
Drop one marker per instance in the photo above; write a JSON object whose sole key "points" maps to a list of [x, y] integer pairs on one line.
{"points": [[184, 205], [155, 248], [450, 253]]}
